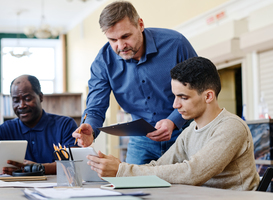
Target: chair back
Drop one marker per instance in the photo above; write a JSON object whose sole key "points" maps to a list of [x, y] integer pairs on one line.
{"points": [[264, 182]]}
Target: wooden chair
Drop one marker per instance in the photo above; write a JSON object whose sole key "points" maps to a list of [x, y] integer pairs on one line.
{"points": [[264, 182]]}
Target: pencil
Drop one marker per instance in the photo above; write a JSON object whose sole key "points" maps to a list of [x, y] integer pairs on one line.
{"points": [[56, 149], [65, 170], [65, 154], [80, 128]]}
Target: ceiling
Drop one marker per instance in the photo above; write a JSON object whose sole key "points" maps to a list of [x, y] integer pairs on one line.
{"points": [[64, 14]]}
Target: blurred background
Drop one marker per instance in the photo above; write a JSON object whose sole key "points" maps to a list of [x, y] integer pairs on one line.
{"points": [[57, 40]]}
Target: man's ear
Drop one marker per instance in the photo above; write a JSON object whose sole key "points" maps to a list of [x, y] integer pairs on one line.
{"points": [[41, 95], [141, 24], [209, 96]]}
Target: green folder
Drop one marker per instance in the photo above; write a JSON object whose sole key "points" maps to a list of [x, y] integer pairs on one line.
{"points": [[134, 182]]}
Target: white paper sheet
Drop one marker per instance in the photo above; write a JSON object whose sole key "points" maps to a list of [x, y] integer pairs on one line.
{"points": [[32, 195], [4, 184], [62, 193]]}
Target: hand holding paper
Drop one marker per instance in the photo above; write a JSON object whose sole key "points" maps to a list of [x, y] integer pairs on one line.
{"points": [[104, 165]]}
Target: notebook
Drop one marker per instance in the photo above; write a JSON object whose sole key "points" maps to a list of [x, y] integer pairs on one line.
{"points": [[12, 150], [87, 173], [135, 182]]}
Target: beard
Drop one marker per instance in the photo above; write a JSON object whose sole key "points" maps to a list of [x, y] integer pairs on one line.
{"points": [[130, 53]]}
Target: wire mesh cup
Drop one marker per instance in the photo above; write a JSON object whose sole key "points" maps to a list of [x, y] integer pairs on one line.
{"points": [[68, 173]]}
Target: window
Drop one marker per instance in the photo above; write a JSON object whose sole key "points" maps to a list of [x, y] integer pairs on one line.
{"points": [[44, 62]]}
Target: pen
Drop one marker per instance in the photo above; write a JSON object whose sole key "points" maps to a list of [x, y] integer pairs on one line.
{"points": [[71, 156], [80, 128]]}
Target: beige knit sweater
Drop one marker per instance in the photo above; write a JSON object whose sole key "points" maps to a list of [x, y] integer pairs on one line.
{"points": [[218, 155]]}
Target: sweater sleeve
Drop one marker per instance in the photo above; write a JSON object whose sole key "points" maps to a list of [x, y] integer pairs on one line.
{"points": [[224, 144]]}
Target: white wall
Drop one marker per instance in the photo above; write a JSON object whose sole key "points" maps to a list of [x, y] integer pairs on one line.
{"points": [[240, 37]]}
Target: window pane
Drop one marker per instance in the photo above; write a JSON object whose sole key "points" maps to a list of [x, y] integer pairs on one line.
{"points": [[47, 87], [41, 63]]}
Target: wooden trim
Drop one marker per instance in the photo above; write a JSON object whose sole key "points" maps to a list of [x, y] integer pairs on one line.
{"points": [[264, 162], [260, 121], [63, 94], [63, 40]]}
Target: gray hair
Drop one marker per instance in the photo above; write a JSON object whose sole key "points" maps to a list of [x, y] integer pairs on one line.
{"points": [[117, 11]]}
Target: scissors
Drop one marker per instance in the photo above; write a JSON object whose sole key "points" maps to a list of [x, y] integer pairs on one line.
{"points": [[61, 153]]}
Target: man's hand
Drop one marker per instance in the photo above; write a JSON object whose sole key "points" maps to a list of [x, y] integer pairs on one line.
{"points": [[17, 165], [164, 131], [50, 168], [105, 166], [85, 138]]}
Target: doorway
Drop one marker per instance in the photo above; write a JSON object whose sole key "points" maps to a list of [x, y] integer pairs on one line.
{"points": [[230, 96]]}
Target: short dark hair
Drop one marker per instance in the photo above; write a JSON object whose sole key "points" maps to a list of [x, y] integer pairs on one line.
{"points": [[117, 11], [200, 73], [35, 83]]}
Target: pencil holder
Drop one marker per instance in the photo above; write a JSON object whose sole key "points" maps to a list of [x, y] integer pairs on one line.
{"points": [[68, 173]]}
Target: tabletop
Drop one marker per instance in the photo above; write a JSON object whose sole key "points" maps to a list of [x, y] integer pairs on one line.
{"points": [[176, 191]]}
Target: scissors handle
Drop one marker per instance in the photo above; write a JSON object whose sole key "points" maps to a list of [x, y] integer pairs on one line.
{"points": [[61, 154]]}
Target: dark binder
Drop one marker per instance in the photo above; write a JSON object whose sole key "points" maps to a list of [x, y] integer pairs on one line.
{"points": [[134, 128]]}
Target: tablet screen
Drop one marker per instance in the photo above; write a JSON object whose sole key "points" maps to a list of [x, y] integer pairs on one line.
{"points": [[87, 173], [12, 150]]}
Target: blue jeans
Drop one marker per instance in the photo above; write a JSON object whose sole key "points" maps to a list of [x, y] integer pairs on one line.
{"points": [[142, 150]]}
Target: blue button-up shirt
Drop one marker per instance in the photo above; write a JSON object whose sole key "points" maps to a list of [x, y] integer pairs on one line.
{"points": [[142, 88]]}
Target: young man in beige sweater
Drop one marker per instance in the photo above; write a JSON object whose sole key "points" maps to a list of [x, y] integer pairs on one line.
{"points": [[216, 150]]}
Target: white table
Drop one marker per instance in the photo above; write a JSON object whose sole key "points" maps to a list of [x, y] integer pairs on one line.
{"points": [[174, 192]]}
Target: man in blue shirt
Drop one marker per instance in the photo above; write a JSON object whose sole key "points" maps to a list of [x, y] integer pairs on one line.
{"points": [[135, 65], [33, 124]]}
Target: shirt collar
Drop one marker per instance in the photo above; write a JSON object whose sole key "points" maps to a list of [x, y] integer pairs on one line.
{"points": [[150, 46], [39, 127]]}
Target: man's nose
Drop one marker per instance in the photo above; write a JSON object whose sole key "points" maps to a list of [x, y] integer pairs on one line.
{"points": [[22, 104], [176, 104], [121, 44]]}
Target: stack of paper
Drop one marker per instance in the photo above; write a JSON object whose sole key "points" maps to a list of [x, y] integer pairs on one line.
{"points": [[22, 178], [4, 184], [66, 193]]}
